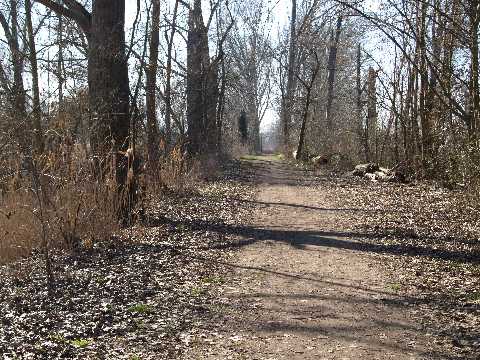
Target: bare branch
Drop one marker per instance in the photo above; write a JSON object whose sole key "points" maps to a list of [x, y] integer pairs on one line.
{"points": [[73, 10]]}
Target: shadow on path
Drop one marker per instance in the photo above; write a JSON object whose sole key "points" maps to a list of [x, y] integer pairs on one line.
{"points": [[308, 240], [301, 206], [298, 320]]}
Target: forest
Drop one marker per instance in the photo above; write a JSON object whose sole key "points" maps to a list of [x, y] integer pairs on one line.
{"points": [[226, 179]]}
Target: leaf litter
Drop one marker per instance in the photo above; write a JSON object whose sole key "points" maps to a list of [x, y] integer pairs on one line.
{"points": [[431, 236], [147, 294], [133, 297]]}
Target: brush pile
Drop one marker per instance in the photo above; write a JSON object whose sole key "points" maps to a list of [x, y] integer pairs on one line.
{"points": [[373, 172]]}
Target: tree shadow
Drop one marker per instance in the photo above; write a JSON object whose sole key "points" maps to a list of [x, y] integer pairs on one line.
{"points": [[267, 173], [357, 334], [316, 208], [310, 240]]}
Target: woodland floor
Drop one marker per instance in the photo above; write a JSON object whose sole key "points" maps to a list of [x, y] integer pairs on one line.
{"points": [[321, 274], [269, 261]]}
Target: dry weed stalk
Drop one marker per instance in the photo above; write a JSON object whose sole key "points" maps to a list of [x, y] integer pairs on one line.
{"points": [[56, 201]]}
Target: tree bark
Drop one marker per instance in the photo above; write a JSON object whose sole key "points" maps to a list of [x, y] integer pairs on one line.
{"points": [[211, 102], [18, 97], [290, 91], [107, 69], [108, 86], [195, 81], [202, 87], [60, 64], [371, 126], [306, 111], [474, 113], [108, 81], [168, 79], [332, 65], [301, 139], [151, 81], [426, 143], [361, 130], [36, 107]]}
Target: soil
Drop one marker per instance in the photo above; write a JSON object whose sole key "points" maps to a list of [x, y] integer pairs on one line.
{"points": [[302, 286]]}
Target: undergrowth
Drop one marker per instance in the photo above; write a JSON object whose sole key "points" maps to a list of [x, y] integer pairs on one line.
{"points": [[68, 200]]}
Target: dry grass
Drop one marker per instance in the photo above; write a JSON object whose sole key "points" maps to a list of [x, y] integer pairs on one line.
{"points": [[69, 206], [178, 172], [19, 228]]}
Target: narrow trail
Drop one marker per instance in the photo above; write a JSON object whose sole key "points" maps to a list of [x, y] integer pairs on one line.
{"points": [[302, 288]]}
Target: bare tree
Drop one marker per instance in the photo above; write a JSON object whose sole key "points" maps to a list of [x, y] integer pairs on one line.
{"points": [[108, 83], [287, 102], [36, 106], [332, 64], [250, 51], [197, 65], [202, 83], [308, 84], [18, 95], [151, 107], [168, 76], [371, 125]]}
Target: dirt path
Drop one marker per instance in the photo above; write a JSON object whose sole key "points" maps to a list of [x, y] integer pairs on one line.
{"points": [[302, 290]]}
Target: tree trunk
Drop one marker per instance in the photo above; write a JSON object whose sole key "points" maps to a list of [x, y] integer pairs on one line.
{"points": [[108, 81], [255, 132], [252, 71], [107, 69], [301, 140], [361, 130], [332, 64], [433, 101], [371, 126], [426, 143], [202, 87], [36, 111], [474, 112], [195, 81], [221, 99], [414, 112], [108, 86], [211, 101], [168, 79], [18, 97], [17, 58], [447, 61], [151, 106], [60, 63], [109, 90], [288, 102], [306, 112]]}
